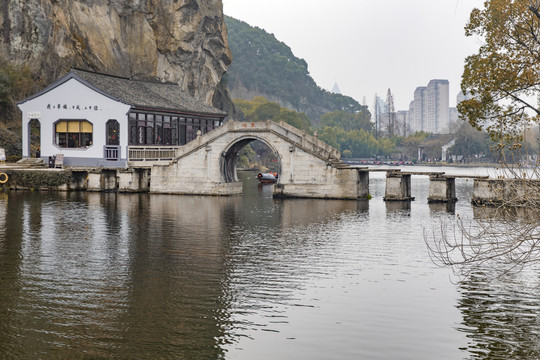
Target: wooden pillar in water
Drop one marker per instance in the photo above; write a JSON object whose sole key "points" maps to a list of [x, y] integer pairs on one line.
{"points": [[398, 186], [442, 189]]}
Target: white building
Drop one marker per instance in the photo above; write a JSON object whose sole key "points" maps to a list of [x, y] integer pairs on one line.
{"points": [[429, 110], [95, 119], [437, 104], [419, 115]]}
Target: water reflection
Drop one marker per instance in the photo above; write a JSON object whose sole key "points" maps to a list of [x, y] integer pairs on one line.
{"points": [[82, 271], [446, 207], [107, 275], [398, 206], [501, 318], [506, 213]]}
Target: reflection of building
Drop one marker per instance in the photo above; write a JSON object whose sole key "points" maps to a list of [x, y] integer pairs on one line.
{"points": [[92, 119]]}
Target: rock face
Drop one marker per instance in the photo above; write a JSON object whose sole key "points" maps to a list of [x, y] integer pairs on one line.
{"points": [[183, 41]]}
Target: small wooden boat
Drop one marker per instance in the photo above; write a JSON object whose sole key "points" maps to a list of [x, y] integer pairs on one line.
{"points": [[268, 178]]}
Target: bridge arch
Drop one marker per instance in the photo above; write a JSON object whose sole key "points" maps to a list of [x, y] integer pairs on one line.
{"points": [[308, 167], [230, 156]]}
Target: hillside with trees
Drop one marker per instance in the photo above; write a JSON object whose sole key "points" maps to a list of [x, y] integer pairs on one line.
{"points": [[264, 66]]}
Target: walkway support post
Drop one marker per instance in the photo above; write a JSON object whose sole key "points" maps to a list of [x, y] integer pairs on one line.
{"points": [[442, 189], [398, 186]]}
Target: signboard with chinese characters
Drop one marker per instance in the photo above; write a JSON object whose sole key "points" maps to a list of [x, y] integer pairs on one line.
{"points": [[2, 155], [73, 107], [34, 115]]}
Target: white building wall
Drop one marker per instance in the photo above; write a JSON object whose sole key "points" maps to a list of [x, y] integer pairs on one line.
{"points": [[73, 100]]}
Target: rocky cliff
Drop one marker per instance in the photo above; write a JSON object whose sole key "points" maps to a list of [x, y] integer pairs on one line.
{"points": [[184, 41]]}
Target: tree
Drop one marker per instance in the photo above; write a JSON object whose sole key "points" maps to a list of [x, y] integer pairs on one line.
{"points": [[503, 77], [504, 81], [377, 114], [390, 114], [260, 109], [470, 143], [347, 121]]}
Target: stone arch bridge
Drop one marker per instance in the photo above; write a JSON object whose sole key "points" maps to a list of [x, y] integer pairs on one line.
{"points": [[308, 167]]}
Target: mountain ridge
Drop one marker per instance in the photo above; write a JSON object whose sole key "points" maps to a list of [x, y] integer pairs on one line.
{"points": [[264, 66]]}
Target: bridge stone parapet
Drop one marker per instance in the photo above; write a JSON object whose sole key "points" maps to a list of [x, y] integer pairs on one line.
{"points": [[308, 167]]}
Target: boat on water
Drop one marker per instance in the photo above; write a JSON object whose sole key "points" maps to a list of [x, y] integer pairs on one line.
{"points": [[268, 178]]}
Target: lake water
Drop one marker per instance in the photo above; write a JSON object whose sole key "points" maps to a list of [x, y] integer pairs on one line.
{"points": [[139, 276]]}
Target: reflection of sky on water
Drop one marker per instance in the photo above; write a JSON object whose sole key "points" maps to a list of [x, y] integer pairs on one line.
{"points": [[140, 276]]}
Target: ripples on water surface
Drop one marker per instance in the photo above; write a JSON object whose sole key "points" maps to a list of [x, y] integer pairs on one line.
{"points": [[152, 276]]}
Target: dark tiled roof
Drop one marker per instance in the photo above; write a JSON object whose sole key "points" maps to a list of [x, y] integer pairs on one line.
{"points": [[146, 94]]}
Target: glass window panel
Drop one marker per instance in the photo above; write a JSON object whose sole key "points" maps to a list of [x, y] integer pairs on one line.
{"points": [[132, 135], [167, 136], [141, 136], [159, 133], [113, 132], [149, 135]]}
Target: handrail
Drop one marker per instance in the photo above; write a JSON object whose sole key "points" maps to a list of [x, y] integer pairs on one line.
{"points": [[304, 141], [151, 153]]}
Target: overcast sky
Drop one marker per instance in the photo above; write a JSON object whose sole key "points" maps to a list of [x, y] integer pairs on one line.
{"points": [[368, 46]]}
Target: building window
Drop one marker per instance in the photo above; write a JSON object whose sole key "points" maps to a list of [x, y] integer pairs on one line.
{"points": [[73, 133], [163, 129], [113, 132]]}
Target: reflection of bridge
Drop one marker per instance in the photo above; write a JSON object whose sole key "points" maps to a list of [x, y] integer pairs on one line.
{"points": [[308, 167]]}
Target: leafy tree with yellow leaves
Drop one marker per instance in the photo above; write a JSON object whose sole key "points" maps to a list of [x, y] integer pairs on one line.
{"points": [[504, 76]]}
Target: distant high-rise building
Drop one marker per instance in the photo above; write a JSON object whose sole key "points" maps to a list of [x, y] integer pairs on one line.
{"points": [[419, 115], [437, 105], [429, 111], [454, 117], [410, 118], [402, 120], [460, 97]]}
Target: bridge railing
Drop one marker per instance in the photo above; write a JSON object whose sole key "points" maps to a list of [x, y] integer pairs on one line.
{"points": [[288, 132], [151, 153], [304, 140]]}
